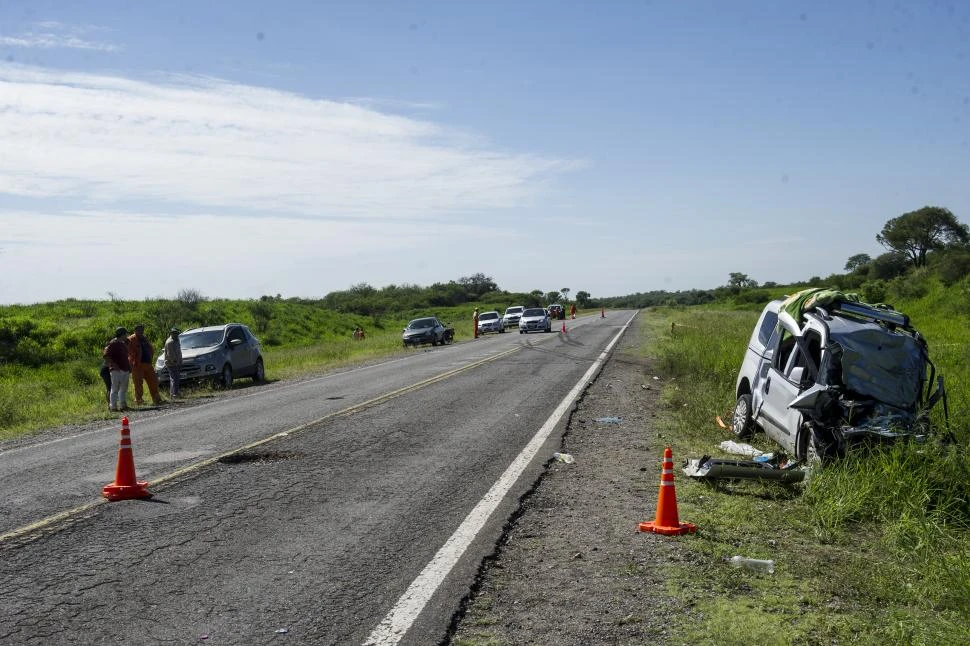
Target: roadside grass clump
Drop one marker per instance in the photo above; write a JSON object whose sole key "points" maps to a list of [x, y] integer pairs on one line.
{"points": [[873, 549]]}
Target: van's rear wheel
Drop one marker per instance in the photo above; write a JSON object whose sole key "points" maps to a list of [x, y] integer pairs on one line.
{"points": [[741, 424]]}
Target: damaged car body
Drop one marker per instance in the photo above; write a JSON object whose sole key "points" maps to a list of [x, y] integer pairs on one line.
{"points": [[824, 372]]}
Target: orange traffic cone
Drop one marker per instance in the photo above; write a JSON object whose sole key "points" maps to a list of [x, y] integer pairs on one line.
{"points": [[564, 326], [125, 486], [666, 521]]}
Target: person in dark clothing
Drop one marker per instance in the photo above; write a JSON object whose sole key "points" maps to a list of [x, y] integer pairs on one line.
{"points": [[105, 373], [116, 356]]}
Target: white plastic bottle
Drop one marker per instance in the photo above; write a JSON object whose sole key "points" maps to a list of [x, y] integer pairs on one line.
{"points": [[756, 565]]}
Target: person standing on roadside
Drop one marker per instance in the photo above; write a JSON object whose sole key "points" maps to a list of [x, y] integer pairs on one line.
{"points": [[173, 361], [140, 354], [105, 373], [116, 356], [475, 322]]}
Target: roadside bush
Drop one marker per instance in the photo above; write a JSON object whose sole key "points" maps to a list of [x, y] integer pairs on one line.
{"points": [[912, 286], [952, 266], [873, 291]]}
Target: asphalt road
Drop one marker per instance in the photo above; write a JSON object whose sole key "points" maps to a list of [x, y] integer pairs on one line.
{"points": [[307, 507]]}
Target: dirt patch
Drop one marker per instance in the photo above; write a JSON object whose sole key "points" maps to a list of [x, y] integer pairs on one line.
{"points": [[572, 567]]}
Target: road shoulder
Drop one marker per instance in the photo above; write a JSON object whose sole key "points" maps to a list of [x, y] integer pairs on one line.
{"points": [[571, 567]]}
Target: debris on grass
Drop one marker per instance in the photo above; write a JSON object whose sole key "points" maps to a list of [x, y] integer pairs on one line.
{"points": [[707, 468], [736, 448]]}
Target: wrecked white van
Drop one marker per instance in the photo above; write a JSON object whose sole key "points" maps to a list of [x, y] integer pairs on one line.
{"points": [[823, 372]]}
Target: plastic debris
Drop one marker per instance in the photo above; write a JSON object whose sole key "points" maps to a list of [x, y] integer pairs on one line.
{"points": [[608, 420], [563, 457], [730, 446], [755, 565], [706, 468], [281, 631]]}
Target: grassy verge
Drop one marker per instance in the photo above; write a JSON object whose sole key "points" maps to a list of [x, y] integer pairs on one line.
{"points": [[875, 549]]}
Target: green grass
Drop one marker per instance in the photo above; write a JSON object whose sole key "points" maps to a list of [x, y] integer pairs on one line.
{"points": [[874, 550]]}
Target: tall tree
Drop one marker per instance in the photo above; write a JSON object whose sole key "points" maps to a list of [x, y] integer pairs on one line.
{"points": [[565, 293], [858, 261], [582, 298], [478, 284], [918, 232], [741, 281]]}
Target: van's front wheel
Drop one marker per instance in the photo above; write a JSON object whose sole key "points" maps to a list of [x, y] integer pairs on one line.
{"points": [[741, 424]]}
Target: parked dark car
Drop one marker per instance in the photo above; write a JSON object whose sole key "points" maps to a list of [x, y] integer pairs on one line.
{"points": [[427, 330], [217, 352]]}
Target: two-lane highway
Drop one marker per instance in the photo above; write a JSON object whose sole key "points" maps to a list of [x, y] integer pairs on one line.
{"points": [[341, 521]]}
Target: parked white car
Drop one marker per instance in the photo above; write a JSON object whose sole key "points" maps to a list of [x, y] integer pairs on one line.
{"points": [[512, 316], [490, 322]]}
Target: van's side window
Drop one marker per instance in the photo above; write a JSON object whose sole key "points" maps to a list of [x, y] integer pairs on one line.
{"points": [[767, 327]]}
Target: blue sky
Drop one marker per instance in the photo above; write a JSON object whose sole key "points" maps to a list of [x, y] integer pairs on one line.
{"points": [[297, 148]]}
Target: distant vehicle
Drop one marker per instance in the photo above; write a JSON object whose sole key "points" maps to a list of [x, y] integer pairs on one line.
{"points": [[512, 316], [427, 330], [217, 352], [557, 311], [822, 377], [490, 322], [535, 319]]}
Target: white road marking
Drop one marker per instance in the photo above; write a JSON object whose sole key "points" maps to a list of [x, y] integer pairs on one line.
{"points": [[399, 620]]}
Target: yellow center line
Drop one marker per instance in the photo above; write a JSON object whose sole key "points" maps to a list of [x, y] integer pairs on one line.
{"points": [[47, 522]]}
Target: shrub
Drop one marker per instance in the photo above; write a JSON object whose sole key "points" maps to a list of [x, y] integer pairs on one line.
{"points": [[912, 286], [952, 266]]}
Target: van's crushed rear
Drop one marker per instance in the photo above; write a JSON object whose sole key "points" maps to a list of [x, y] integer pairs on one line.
{"points": [[825, 371]]}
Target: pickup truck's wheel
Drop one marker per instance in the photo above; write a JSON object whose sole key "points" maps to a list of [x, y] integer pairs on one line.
{"points": [[741, 424]]}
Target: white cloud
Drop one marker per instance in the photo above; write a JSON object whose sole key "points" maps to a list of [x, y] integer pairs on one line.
{"points": [[57, 35], [213, 144]]}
